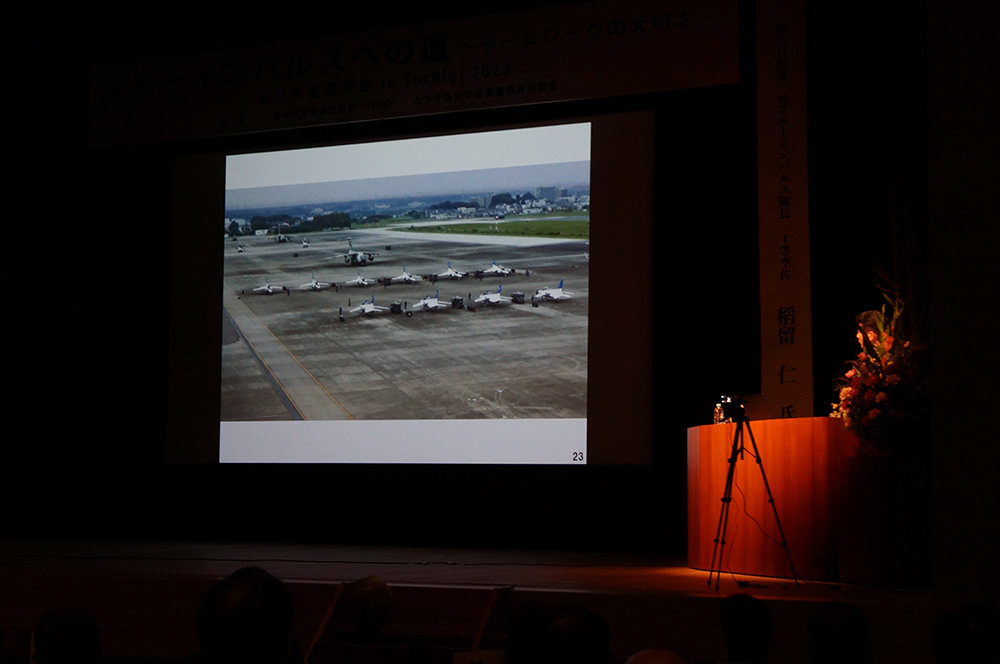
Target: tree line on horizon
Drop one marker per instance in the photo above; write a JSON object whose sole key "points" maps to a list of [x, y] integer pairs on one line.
{"points": [[341, 220], [495, 200]]}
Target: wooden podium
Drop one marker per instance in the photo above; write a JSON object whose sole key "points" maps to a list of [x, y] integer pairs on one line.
{"points": [[801, 457]]}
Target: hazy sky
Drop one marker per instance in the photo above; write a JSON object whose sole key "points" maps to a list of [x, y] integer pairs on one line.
{"points": [[512, 179], [418, 156]]}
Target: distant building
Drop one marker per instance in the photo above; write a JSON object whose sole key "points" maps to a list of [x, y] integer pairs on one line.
{"points": [[548, 193]]}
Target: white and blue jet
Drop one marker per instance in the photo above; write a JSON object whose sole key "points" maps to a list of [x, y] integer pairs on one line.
{"points": [[451, 274], [408, 278], [360, 281], [268, 288], [429, 302], [547, 293], [497, 269], [369, 308], [493, 298], [314, 285]]}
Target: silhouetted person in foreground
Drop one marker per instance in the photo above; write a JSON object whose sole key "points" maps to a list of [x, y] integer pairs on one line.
{"points": [[369, 605], [838, 633], [557, 633], [746, 628], [968, 633], [67, 635], [247, 619], [655, 656]]}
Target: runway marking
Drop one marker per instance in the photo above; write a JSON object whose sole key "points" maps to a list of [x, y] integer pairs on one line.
{"points": [[310, 374], [285, 349], [268, 373]]}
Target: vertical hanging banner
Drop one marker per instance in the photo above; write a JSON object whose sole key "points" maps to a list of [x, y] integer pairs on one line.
{"points": [[783, 199], [568, 52]]}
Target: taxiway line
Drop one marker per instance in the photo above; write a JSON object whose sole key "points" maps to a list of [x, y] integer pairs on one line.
{"points": [[301, 387], [271, 378]]}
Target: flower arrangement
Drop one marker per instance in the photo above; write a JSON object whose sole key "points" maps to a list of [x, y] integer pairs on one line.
{"points": [[884, 396]]}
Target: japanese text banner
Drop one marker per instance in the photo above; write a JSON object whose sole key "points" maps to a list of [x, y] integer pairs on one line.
{"points": [[559, 53]]}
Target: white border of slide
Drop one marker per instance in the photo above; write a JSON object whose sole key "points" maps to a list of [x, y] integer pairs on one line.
{"points": [[520, 441]]}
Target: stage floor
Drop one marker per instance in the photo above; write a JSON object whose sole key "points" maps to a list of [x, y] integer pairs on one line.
{"points": [[649, 601]]}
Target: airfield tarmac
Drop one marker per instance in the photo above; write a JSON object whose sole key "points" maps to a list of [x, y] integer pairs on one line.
{"points": [[288, 356]]}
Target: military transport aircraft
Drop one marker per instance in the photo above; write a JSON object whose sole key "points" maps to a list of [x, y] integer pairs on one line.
{"points": [[353, 257]]}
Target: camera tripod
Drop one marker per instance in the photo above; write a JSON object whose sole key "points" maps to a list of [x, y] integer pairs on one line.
{"points": [[740, 418]]}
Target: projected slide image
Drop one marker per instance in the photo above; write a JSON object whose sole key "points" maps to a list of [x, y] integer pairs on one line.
{"points": [[441, 280]]}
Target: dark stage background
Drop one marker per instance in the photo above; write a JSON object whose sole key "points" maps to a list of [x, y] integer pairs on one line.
{"points": [[88, 257]]}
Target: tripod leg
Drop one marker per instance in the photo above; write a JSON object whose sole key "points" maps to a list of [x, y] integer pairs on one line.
{"points": [[774, 507], [727, 496]]}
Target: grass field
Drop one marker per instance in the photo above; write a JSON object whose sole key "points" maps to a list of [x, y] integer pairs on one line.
{"points": [[568, 225]]}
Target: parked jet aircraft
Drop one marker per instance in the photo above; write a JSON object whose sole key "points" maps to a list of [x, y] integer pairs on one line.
{"points": [[493, 298], [315, 285], [268, 288], [497, 269], [353, 257], [359, 281], [547, 293], [369, 308], [451, 274], [430, 303], [408, 278]]}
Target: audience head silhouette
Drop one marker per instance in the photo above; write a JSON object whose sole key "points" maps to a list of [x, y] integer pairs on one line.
{"points": [[67, 635], [838, 633], [369, 604], [746, 628], [557, 633], [655, 656], [247, 619]]}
